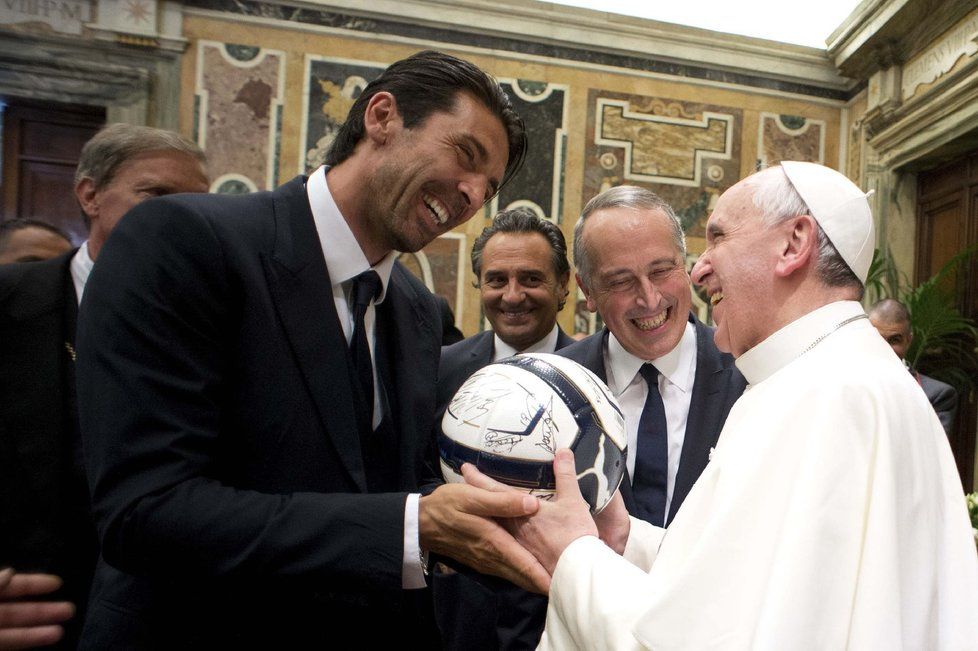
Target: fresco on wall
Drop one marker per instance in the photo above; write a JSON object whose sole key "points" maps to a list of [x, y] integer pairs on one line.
{"points": [[790, 137], [332, 87], [238, 114], [539, 185], [441, 266], [686, 152]]}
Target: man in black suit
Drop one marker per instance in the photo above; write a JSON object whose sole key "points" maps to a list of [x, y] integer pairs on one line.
{"points": [[521, 270], [257, 388], [892, 319], [630, 253], [44, 501]]}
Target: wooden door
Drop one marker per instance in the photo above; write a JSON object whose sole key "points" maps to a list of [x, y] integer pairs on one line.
{"points": [[41, 144], [947, 223]]}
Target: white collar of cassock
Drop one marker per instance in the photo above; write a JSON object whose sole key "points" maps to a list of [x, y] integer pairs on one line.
{"points": [[788, 343], [344, 257], [675, 366], [502, 350]]}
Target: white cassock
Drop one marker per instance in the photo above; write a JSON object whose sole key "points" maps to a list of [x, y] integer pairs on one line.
{"points": [[831, 516]]}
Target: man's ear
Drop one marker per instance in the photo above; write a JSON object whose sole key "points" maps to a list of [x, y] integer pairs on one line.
{"points": [[562, 291], [591, 305], [87, 197], [799, 245], [381, 117]]}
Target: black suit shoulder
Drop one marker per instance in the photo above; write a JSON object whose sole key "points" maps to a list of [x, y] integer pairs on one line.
{"points": [[43, 497], [943, 397], [31, 288], [459, 361], [589, 353]]}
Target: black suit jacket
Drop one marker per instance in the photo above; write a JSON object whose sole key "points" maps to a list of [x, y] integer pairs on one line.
{"points": [[716, 386], [942, 397], [45, 518], [217, 411], [479, 612]]}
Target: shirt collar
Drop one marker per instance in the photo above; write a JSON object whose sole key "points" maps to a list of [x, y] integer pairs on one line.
{"points": [[344, 257], [793, 340], [502, 350], [81, 267], [676, 365]]}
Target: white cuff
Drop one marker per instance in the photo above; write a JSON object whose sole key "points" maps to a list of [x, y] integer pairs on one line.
{"points": [[412, 572]]}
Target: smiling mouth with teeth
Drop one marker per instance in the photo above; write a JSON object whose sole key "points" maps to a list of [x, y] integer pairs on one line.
{"points": [[438, 211], [653, 322], [716, 298]]}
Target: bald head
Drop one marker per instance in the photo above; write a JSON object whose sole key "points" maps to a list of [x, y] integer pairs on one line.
{"points": [[892, 319]]}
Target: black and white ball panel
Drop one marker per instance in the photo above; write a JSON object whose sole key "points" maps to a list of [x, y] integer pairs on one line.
{"points": [[509, 418]]}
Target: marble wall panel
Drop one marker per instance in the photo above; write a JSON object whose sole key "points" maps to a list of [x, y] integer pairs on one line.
{"points": [[790, 137], [686, 152], [332, 85], [441, 265], [238, 114], [539, 185]]}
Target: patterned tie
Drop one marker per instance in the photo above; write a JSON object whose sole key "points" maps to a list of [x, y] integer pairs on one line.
{"points": [[365, 288], [651, 455]]}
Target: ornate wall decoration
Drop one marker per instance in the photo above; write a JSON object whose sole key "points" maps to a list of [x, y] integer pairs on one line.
{"points": [[238, 114], [790, 137], [442, 266], [331, 85], [66, 16], [539, 185], [941, 56], [686, 152]]}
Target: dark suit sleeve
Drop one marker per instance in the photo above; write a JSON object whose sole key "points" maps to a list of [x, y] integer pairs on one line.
{"points": [[154, 368], [945, 402]]}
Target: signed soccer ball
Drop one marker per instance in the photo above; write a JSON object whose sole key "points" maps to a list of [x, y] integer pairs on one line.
{"points": [[509, 418]]}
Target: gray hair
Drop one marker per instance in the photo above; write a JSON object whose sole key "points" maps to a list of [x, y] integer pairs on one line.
{"points": [[778, 201], [108, 149], [622, 196]]}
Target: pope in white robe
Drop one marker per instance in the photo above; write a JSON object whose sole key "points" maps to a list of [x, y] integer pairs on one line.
{"points": [[830, 516]]}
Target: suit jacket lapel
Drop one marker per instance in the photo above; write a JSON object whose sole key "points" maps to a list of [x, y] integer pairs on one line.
{"points": [[413, 368], [481, 354], [563, 339], [301, 289]]}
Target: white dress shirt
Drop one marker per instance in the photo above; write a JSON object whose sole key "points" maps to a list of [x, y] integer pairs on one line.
{"points": [[502, 350], [677, 372], [344, 261], [81, 266]]}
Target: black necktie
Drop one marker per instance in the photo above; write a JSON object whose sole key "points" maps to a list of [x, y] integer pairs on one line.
{"points": [[365, 288], [651, 454]]}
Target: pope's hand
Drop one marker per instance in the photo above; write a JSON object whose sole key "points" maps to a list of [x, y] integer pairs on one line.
{"points": [[557, 523], [462, 522]]}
